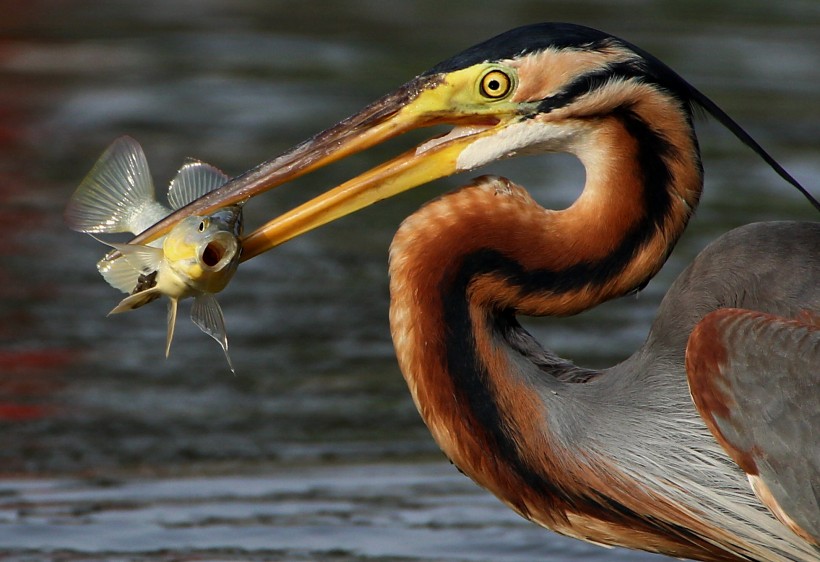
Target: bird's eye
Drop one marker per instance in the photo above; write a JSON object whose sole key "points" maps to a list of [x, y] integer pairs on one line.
{"points": [[202, 226], [495, 84]]}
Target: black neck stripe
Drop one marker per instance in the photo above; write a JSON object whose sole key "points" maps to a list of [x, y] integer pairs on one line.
{"points": [[465, 366]]}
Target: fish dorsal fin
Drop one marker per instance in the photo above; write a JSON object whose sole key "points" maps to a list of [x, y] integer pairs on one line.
{"points": [[136, 300], [173, 305], [194, 180], [207, 314], [115, 193]]}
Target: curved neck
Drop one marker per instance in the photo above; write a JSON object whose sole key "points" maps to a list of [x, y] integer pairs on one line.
{"points": [[465, 264]]}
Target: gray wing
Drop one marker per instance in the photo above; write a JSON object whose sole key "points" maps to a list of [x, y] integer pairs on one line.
{"points": [[755, 379]]}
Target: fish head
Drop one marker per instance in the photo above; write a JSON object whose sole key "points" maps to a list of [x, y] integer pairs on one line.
{"points": [[204, 250]]}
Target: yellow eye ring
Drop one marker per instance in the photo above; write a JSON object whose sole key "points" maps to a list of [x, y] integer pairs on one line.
{"points": [[495, 84]]}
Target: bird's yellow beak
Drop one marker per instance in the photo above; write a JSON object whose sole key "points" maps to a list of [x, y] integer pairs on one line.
{"points": [[458, 98]]}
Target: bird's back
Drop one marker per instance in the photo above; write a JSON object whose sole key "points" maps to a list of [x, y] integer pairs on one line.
{"points": [[773, 268]]}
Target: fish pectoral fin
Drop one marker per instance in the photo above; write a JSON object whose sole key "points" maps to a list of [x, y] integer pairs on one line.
{"points": [[207, 315], [173, 305], [119, 273], [114, 192], [124, 272], [136, 300], [194, 180], [144, 259]]}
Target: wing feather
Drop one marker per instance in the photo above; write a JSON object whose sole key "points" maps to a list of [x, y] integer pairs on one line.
{"points": [[755, 379]]}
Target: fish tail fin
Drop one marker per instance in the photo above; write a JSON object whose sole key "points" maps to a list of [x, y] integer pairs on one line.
{"points": [[207, 315], [136, 300], [117, 195], [173, 305]]}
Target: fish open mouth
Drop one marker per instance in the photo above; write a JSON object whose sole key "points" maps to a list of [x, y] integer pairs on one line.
{"points": [[218, 252], [212, 254]]}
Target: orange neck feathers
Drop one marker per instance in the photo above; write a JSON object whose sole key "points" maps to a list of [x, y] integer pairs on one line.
{"points": [[466, 263]]}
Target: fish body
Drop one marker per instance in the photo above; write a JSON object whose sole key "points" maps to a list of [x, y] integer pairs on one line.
{"points": [[196, 259]]}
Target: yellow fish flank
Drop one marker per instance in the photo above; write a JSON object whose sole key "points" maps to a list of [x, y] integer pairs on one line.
{"points": [[197, 258]]}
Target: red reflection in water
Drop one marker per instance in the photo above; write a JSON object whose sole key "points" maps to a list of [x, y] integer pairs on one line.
{"points": [[29, 379], [30, 374], [23, 412]]}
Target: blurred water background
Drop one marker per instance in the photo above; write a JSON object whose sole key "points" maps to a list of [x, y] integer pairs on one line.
{"points": [[313, 451]]}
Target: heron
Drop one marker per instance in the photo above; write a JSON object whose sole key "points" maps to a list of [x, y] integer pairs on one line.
{"points": [[703, 443]]}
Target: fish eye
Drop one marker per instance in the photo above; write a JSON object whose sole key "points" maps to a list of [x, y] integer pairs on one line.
{"points": [[203, 225], [495, 84]]}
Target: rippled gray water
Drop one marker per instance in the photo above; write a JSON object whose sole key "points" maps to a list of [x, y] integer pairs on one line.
{"points": [[314, 449]]}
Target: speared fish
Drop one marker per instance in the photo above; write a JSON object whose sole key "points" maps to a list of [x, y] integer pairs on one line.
{"points": [[197, 258]]}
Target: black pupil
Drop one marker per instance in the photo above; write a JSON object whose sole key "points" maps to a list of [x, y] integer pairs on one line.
{"points": [[202, 226], [493, 85]]}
